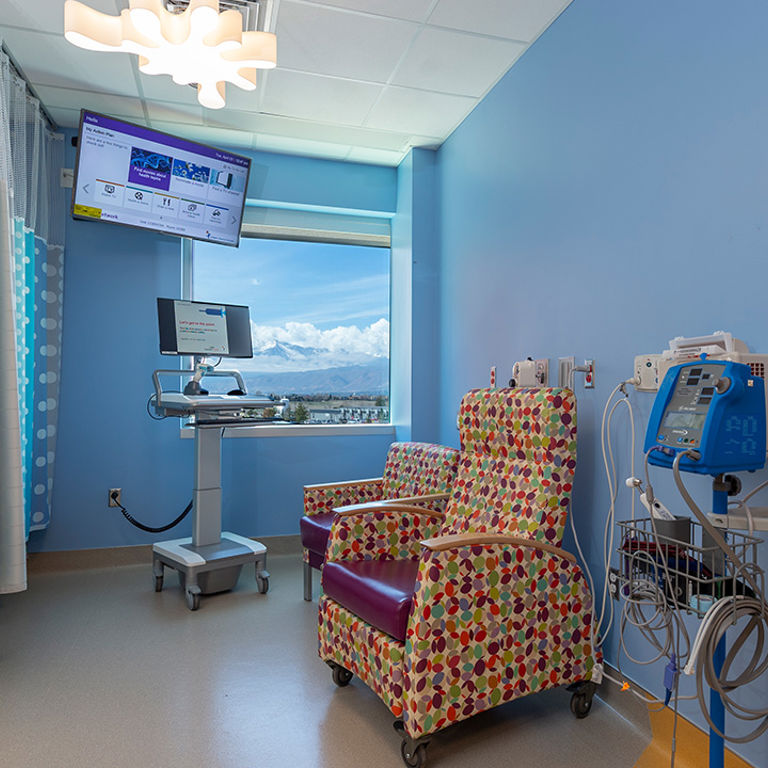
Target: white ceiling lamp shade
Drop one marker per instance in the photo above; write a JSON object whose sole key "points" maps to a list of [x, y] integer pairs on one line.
{"points": [[198, 45]]}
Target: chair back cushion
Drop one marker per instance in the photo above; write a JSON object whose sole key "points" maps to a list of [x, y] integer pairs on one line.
{"points": [[416, 469], [517, 463]]}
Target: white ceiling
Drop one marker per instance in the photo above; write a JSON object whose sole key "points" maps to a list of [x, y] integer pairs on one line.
{"points": [[361, 80]]}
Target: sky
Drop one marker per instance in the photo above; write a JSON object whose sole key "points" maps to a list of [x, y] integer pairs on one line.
{"points": [[321, 295]]}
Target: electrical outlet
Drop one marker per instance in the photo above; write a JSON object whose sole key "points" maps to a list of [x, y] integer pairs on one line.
{"points": [[115, 497], [542, 371], [614, 583]]}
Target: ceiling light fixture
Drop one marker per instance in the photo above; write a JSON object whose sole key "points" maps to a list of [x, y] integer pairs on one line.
{"points": [[196, 45]]}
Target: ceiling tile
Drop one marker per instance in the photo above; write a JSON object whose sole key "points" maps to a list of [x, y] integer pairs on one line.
{"points": [[216, 137], [411, 111], [243, 101], [167, 112], [50, 60], [412, 10], [106, 103], [306, 147], [513, 19], [278, 125], [316, 97], [162, 88], [231, 119], [452, 62], [45, 15], [327, 41]]}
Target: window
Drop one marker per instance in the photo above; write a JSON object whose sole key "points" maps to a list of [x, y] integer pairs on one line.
{"points": [[320, 323]]}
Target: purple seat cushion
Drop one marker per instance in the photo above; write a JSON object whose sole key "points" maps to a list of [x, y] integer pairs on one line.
{"points": [[315, 530], [380, 592]]}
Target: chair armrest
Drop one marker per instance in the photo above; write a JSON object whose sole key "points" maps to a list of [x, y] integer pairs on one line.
{"points": [[388, 531], [502, 616], [325, 496], [388, 506], [452, 541]]}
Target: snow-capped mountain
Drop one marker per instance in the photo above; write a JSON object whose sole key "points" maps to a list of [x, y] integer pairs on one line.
{"points": [[283, 357]]}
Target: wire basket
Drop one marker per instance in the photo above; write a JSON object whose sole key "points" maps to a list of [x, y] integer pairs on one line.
{"points": [[680, 558]]}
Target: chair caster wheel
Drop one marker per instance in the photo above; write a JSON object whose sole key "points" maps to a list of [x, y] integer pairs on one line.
{"points": [[193, 599], [413, 757], [341, 676], [581, 703], [262, 583]]}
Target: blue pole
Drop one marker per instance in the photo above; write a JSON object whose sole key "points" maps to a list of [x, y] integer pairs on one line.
{"points": [[717, 713], [716, 708]]}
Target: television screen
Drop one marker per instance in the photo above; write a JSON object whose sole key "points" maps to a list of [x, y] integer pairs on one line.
{"points": [[205, 329], [143, 178]]}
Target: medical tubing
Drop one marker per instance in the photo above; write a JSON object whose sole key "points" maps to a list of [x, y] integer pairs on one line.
{"points": [[611, 477], [609, 530], [149, 529], [721, 615]]}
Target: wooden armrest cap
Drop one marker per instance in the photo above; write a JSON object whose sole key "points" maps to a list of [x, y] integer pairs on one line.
{"points": [[454, 540]]}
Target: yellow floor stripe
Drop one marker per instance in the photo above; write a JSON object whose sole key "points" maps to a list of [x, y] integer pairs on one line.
{"points": [[692, 744]]}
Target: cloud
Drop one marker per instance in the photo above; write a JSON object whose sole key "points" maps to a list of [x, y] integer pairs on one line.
{"points": [[372, 340]]}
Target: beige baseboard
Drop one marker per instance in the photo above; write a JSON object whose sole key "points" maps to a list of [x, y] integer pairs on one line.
{"points": [[113, 557]]}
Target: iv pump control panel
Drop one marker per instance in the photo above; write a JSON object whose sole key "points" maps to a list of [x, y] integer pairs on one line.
{"points": [[716, 408]]}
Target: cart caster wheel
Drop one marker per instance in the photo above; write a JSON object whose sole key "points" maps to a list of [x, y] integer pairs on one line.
{"points": [[158, 583], [193, 600], [413, 758], [341, 676], [262, 584], [581, 703]]}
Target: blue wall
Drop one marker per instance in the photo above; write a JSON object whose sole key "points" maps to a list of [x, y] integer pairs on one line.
{"points": [[415, 299], [609, 194], [106, 439]]}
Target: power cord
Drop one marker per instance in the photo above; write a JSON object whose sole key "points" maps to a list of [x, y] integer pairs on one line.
{"points": [[149, 529]]}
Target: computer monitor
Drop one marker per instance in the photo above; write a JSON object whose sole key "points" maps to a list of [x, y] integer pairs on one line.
{"points": [[204, 329]]}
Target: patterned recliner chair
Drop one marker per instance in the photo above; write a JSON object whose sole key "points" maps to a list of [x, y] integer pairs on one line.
{"points": [[445, 615], [418, 474]]}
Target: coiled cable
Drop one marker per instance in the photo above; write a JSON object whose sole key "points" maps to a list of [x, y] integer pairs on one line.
{"points": [[722, 615]]}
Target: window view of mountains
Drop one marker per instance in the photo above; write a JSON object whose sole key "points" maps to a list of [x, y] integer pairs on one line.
{"points": [[300, 359]]}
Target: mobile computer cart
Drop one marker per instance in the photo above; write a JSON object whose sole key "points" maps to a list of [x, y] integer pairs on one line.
{"points": [[210, 560]]}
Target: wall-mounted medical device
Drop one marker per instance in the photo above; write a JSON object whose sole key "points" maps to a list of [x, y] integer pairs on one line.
{"points": [[650, 369], [713, 407]]}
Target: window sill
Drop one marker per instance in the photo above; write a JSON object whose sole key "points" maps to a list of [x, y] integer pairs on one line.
{"points": [[299, 430]]}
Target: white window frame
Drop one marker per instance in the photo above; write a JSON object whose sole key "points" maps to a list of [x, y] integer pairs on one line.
{"points": [[344, 234]]}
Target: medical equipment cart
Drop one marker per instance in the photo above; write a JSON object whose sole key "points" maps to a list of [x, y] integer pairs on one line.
{"points": [[209, 561]]}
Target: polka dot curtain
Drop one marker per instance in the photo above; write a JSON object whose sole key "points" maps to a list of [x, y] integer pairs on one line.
{"points": [[32, 208]]}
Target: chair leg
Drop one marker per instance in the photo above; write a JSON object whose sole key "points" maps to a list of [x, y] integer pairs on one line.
{"points": [[307, 582]]}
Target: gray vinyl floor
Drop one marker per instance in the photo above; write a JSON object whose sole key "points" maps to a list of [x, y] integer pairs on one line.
{"points": [[97, 670]]}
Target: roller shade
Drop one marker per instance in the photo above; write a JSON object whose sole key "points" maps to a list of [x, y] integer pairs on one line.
{"points": [[317, 226]]}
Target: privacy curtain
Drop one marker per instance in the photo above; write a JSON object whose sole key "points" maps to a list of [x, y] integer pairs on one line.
{"points": [[31, 286]]}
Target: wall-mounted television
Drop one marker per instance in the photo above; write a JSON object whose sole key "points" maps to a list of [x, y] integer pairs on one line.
{"points": [[132, 175]]}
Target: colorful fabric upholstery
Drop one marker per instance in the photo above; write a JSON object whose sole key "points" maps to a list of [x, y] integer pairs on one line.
{"points": [[517, 463], [498, 610], [416, 469], [412, 470]]}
